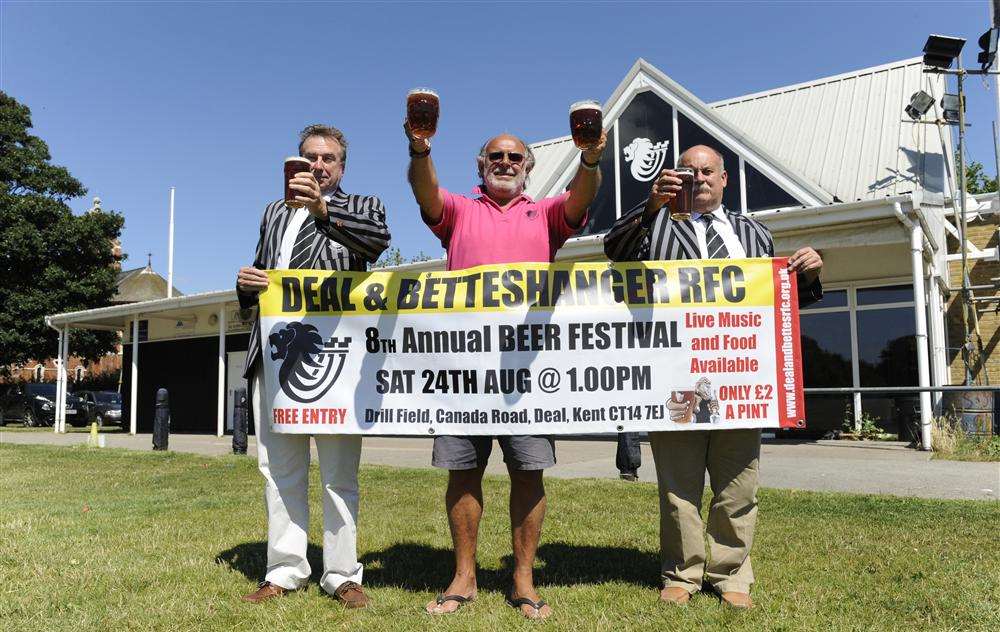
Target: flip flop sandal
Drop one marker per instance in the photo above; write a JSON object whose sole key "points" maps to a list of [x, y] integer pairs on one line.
{"points": [[524, 601], [442, 598]]}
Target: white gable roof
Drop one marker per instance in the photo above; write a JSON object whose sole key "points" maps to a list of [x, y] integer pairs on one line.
{"points": [[840, 137], [643, 76]]}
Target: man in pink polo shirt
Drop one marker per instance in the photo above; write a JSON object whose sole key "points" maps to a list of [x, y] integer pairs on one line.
{"points": [[499, 225]]}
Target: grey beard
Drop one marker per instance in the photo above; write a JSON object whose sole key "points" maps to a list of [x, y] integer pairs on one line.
{"points": [[513, 188]]}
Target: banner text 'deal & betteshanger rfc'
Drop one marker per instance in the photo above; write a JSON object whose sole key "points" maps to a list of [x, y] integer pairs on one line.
{"points": [[519, 286]]}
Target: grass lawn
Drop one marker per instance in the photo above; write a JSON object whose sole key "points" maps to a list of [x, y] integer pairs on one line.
{"points": [[117, 540]]}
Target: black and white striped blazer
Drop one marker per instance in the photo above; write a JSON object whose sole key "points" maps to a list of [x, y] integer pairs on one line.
{"points": [[353, 235], [633, 237]]}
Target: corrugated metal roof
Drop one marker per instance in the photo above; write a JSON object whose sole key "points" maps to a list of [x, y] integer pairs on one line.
{"points": [[549, 155], [847, 133]]}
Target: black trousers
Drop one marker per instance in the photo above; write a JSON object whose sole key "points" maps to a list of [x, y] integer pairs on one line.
{"points": [[628, 458]]}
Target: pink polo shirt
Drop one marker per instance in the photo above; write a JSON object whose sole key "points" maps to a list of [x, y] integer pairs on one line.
{"points": [[476, 232]]}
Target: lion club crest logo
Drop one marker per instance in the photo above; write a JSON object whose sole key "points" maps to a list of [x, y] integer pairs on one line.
{"points": [[646, 158], [308, 366]]}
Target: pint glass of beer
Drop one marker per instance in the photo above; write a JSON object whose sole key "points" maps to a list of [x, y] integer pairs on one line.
{"points": [[294, 165], [585, 122], [422, 109], [680, 406], [681, 206]]}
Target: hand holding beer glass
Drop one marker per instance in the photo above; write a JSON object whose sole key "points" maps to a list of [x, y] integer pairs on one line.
{"points": [[586, 124], [681, 406], [675, 188], [294, 165], [423, 106]]}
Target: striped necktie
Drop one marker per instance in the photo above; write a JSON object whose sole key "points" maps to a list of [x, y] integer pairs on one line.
{"points": [[302, 250], [715, 246]]}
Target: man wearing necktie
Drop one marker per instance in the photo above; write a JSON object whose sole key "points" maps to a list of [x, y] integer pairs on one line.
{"points": [[330, 231], [648, 233]]}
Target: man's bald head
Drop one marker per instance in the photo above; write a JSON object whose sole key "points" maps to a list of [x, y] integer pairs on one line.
{"points": [[702, 149]]}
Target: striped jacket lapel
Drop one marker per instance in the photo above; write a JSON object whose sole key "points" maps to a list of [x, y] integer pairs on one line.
{"points": [[754, 236], [673, 239]]}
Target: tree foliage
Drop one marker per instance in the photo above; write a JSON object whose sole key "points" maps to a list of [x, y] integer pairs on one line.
{"points": [[394, 257], [976, 180], [51, 261]]}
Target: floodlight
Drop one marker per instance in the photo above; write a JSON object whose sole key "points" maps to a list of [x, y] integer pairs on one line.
{"points": [[950, 105], [988, 42], [920, 102], [941, 50]]}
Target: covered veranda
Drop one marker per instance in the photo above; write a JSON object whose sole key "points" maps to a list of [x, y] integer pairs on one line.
{"points": [[191, 316]]}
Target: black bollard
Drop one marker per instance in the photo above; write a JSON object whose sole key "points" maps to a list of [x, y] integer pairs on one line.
{"points": [[240, 421], [161, 420]]}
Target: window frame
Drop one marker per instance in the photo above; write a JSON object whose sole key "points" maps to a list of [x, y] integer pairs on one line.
{"points": [[853, 308]]}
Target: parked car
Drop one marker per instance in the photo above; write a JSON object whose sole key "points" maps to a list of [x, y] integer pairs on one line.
{"points": [[33, 404], [103, 406]]}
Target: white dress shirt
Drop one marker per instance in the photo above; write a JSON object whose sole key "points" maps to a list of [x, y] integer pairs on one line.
{"points": [[299, 217], [725, 230]]}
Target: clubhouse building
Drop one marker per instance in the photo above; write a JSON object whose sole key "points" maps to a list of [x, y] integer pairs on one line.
{"points": [[832, 163]]}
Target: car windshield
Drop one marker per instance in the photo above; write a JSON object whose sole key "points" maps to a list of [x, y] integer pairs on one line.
{"points": [[108, 398], [45, 390]]}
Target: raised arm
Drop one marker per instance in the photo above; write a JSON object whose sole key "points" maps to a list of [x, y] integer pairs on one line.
{"points": [[423, 178], [585, 183]]}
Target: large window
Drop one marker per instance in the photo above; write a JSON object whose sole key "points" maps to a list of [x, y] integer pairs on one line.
{"points": [[827, 360], [860, 336]]}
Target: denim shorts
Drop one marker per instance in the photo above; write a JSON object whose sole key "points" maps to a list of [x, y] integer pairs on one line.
{"points": [[520, 452]]}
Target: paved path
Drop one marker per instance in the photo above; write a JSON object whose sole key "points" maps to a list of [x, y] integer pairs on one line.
{"points": [[841, 466]]}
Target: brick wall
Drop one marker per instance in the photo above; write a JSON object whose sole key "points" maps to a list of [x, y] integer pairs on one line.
{"points": [[982, 233]]}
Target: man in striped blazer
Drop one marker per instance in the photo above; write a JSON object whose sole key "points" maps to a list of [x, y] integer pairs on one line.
{"points": [[332, 231], [731, 456]]}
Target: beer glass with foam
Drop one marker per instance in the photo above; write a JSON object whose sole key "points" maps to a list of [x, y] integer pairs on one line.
{"points": [[682, 205], [585, 122], [422, 109], [294, 165]]}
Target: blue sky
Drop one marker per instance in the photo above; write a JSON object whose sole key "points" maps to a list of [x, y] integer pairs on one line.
{"points": [[208, 97]]}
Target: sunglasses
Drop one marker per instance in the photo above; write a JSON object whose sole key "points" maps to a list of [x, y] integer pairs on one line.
{"points": [[514, 157]]}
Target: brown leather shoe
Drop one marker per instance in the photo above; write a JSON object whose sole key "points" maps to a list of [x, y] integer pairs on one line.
{"points": [[737, 600], [351, 595], [265, 591], [675, 595]]}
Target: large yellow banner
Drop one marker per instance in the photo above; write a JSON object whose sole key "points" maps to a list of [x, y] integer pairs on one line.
{"points": [[533, 348]]}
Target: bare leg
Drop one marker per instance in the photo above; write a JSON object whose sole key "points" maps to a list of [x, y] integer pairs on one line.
{"points": [[527, 511], [464, 502]]}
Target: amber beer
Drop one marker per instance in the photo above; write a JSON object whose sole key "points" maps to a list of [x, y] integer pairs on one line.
{"points": [[294, 165], [422, 109], [686, 398], [585, 123], [682, 205]]}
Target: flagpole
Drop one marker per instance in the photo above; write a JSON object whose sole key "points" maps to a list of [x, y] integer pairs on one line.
{"points": [[170, 249]]}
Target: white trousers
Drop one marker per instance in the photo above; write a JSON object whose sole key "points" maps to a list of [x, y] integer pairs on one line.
{"points": [[283, 459]]}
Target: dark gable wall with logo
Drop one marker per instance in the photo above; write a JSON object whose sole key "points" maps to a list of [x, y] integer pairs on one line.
{"points": [[648, 116], [188, 369]]}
